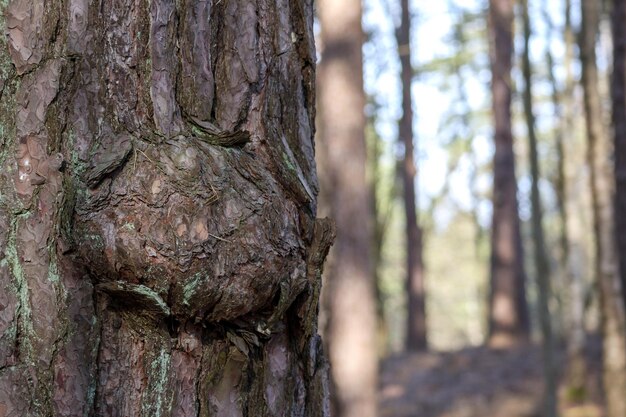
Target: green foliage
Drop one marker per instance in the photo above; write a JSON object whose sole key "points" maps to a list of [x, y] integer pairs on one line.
{"points": [[456, 285], [576, 394]]}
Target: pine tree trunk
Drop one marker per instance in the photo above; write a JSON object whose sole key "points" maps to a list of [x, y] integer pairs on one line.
{"points": [[542, 263], [606, 266], [561, 125], [159, 250], [508, 310], [618, 91], [351, 326], [416, 294], [381, 214], [572, 307]]}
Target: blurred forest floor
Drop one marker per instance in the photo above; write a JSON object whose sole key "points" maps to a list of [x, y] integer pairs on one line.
{"points": [[480, 382]]}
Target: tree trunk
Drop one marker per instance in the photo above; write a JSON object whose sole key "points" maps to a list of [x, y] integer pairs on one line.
{"points": [[508, 310], [572, 278], [618, 91], [416, 296], [542, 263], [606, 266], [561, 125], [381, 215], [160, 252], [351, 326]]}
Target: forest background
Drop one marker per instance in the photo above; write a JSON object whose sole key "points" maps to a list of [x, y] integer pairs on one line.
{"points": [[564, 115], [453, 132]]}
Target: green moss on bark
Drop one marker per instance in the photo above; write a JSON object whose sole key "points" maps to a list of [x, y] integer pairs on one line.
{"points": [[24, 312]]}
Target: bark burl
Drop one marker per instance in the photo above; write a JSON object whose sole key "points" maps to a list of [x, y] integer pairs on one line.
{"points": [[159, 251]]}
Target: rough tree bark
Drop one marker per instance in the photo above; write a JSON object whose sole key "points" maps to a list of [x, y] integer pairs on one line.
{"points": [[618, 92], [351, 328], [606, 265], [416, 295], [159, 252], [508, 309], [540, 253]]}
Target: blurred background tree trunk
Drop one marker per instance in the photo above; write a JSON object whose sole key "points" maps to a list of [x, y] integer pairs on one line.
{"points": [[571, 288], [618, 93], [541, 260], [159, 251], [606, 264], [382, 205], [351, 327], [508, 310], [416, 292]]}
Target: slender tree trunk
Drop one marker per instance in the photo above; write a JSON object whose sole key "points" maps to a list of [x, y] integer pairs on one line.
{"points": [[159, 252], [416, 295], [618, 91], [508, 310], [573, 285], [606, 266], [542, 263], [351, 333], [381, 214], [560, 126]]}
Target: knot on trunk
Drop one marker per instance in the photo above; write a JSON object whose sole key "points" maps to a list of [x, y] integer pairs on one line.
{"points": [[198, 226]]}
